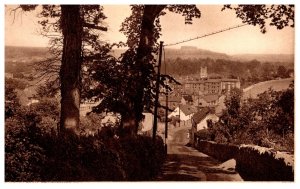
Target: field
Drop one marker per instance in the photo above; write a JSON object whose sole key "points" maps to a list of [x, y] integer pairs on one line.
{"points": [[277, 85]]}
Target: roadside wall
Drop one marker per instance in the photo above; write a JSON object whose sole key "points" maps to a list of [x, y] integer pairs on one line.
{"points": [[253, 163]]}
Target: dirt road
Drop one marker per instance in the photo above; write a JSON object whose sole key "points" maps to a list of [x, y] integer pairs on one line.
{"points": [[187, 164]]}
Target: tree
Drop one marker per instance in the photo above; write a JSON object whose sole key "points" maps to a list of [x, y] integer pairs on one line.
{"points": [[233, 102], [71, 25], [267, 72], [143, 29], [72, 21], [12, 103], [270, 117], [279, 16], [282, 72], [126, 84]]}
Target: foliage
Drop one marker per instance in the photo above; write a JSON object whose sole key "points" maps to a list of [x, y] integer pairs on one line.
{"points": [[91, 121], [141, 159], [267, 120], [279, 16], [204, 134], [62, 23], [23, 156], [143, 28], [35, 152], [233, 102], [249, 72], [131, 26], [282, 72], [11, 100], [126, 84], [74, 158], [31, 155]]}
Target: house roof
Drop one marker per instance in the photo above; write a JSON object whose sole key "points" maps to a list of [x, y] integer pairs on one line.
{"points": [[187, 109], [171, 99], [201, 114], [210, 98], [188, 98]]}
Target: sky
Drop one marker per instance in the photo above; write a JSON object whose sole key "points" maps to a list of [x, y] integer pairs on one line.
{"points": [[23, 30]]}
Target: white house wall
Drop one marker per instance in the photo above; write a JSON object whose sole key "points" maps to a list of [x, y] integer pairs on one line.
{"points": [[203, 122], [183, 117], [147, 122]]}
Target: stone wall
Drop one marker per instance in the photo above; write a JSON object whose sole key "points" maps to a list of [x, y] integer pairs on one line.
{"points": [[253, 163]]}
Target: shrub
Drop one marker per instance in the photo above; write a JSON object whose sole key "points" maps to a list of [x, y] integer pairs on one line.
{"points": [[74, 158], [142, 159], [24, 158], [204, 134], [31, 155], [35, 152]]}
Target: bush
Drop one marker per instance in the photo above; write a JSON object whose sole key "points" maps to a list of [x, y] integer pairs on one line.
{"points": [[24, 158], [33, 155], [74, 158], [204, 134], [142, 159]]}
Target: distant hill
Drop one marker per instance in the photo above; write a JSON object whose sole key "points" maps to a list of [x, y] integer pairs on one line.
{"points": [[13, 53], [287, 58], [193, 53], [186, 52]]}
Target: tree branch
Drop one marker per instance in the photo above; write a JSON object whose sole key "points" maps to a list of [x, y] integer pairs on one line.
{"points": [[93, 26]]}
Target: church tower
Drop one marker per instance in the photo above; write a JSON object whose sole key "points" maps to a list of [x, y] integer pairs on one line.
{"points": [[203, 72]]}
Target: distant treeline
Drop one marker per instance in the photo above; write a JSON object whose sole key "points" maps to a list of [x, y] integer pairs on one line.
{"points": [[248, 71], [12, 52]]}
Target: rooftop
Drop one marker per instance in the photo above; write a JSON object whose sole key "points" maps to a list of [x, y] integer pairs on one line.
{"points": [[187, 109], [201, 114]]}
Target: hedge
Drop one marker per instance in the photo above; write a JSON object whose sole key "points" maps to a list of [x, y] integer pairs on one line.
{"points": [[79, 158]]}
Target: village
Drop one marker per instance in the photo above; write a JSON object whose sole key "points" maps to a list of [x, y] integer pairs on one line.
{"points": [[142, 101], [193, 104]]}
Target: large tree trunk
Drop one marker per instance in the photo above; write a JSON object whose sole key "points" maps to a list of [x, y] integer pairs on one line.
{"points": [[144, 51], [71, 24], [127, 126]]}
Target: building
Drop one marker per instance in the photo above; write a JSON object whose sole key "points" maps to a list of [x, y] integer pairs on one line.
{"points": [[173, 101], [211, 86], [147, 122], [184, 113], [187, 100], [210, 100], [203, 72], [228, 84], [201, 119]]}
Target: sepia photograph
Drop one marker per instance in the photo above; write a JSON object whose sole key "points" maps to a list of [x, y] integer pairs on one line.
{"points": [[149, 92]]}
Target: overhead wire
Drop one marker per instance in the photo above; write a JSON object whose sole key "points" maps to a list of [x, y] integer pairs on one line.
{"points": [[209, 34]]}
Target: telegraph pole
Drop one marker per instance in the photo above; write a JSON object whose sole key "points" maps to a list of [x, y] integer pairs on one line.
{"points": [[157, 91], [166, 116]]}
